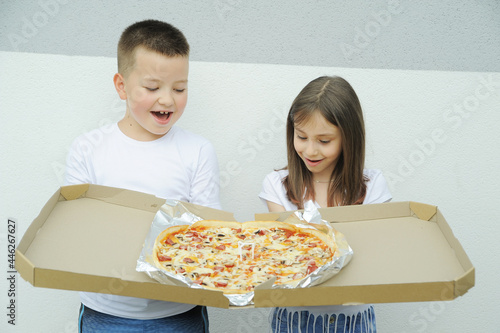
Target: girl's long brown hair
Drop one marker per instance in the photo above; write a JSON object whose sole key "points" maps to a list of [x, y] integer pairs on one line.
{"points": [[335, 99]]}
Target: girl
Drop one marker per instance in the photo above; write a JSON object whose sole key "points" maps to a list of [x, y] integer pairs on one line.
{"points": [[326, 152]]}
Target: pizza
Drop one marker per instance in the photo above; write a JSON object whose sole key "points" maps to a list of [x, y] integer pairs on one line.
{"points": [[236, 257]]}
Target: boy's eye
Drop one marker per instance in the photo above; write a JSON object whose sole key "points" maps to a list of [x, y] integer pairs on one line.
{"points": [[301, 137], [324, 141], [151, 89], [179, 90]]}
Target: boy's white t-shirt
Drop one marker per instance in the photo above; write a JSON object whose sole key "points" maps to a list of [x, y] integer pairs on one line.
{"points": [[180, 166], [377, 191]]}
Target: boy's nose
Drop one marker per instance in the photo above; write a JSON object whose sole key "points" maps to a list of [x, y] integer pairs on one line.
{"points": [[166, 99]]}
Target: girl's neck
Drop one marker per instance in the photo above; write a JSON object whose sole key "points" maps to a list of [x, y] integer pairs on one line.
{"points": [[322, 181]]}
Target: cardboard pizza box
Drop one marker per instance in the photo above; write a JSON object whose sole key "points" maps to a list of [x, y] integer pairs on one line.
{"points": [[89, 237], [403, 252]]}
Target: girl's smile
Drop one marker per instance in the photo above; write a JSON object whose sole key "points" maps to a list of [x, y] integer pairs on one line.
{"points": [[312, 163]]}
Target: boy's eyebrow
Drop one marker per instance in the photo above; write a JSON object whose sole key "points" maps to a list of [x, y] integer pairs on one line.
{"points": [[152, 79]]}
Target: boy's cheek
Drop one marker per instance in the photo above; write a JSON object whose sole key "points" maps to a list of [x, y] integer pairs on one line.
{"points": [[137, 95]]}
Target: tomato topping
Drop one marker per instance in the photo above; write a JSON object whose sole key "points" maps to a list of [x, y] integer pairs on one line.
{"points": [[197, 239], [221, 247], [218, 268], [220, 283], [169, 241], [313, 244], [180, 270], [188, 260], [183, 247], [164, 258], [311, 268]]}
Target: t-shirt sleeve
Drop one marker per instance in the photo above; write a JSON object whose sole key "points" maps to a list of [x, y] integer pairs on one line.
{"points": [[272, 189], [377, 190], [205, 183], [77, 166]]}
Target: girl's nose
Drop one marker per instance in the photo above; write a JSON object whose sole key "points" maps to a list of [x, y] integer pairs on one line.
{"points": [[311, 149]]}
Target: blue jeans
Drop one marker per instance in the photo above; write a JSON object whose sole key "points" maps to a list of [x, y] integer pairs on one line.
{"points": [[305, 322], [192, 321]]}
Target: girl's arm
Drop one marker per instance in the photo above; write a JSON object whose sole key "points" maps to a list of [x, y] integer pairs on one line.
{"points": [[274, 207]]}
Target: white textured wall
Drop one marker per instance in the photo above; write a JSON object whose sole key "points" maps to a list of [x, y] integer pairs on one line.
{"points": [[434, 134]]}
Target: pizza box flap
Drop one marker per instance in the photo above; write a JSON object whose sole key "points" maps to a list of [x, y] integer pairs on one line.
{"points": [[89, 237], [403, 252]]}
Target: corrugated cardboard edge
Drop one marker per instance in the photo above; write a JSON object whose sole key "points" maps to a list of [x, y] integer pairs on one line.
{"points": [[102, 284], [423, 211], [73, 192], [369, 294], [23, 265], [209, 213], [349, 213], [126, 198], [467, 280]]}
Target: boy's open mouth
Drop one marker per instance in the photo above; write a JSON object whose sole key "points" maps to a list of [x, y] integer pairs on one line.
{"points": [[161, 116]]}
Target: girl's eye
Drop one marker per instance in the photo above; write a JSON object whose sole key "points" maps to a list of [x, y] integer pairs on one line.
{"points": [[179, 90], [301, 137], [324, 141], [151, 89]]}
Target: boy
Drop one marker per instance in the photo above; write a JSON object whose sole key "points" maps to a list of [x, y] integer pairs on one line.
{"points": [[142, 152]]}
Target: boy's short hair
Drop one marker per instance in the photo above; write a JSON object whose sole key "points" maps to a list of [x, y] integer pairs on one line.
{"points": [[153, 35]]}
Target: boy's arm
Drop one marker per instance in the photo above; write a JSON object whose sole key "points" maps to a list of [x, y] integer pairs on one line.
{"points": [[205, 184]]}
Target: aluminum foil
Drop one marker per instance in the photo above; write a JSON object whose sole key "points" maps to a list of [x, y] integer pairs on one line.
{"points": [[173, 213]]}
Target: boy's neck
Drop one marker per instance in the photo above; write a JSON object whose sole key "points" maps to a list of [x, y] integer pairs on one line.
{"points": [[134, 131]]}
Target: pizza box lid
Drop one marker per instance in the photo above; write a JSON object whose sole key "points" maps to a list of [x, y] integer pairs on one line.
{"points": [[89, 237]]}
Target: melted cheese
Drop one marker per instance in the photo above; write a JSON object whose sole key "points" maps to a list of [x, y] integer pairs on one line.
{"points": [[243, 261]]}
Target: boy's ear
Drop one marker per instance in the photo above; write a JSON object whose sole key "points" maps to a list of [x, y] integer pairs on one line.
{"points": [[120, 86]]}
